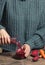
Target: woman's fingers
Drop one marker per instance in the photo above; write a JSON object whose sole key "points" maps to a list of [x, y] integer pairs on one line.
{"points": [[4, 37], [26, 48]]}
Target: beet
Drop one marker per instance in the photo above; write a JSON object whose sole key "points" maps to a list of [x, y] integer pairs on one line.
{"points": [[35, 58], [19, 53], [34, 53]]}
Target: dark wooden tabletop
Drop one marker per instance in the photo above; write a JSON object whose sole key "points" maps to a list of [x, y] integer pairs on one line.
{"points": [[8, 60]]}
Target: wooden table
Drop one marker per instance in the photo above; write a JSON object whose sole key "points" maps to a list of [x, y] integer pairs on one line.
{"points": [[8, 60]]}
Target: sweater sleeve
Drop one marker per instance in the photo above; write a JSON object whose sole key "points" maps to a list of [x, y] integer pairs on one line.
{"points": [[2, 4], [38, 39]]}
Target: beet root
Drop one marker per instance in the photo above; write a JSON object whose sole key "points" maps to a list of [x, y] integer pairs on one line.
{"points": [[35, 58], [34, 53], [20, 54]]}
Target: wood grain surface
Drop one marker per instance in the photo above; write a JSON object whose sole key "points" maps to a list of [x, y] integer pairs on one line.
{"points": [[8, 60]]}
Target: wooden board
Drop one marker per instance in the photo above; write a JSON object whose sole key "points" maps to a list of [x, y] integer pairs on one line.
{"points": [[8, 60]]}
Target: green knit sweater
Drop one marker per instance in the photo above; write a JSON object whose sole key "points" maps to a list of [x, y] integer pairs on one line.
{"points": [[24, 20]]}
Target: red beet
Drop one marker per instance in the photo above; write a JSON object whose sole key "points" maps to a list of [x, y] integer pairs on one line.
{"points": [[20, 54], [35, 58], [34, 53]]}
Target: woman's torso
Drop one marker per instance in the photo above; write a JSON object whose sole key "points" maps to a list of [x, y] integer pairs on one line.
{"points": [[22, 18]]}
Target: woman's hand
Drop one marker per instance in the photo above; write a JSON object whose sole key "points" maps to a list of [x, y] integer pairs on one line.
{"points": [[4, 37], [27, 49]]}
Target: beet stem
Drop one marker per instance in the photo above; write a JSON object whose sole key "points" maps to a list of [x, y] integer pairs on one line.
{"points": [[13, 40]]}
